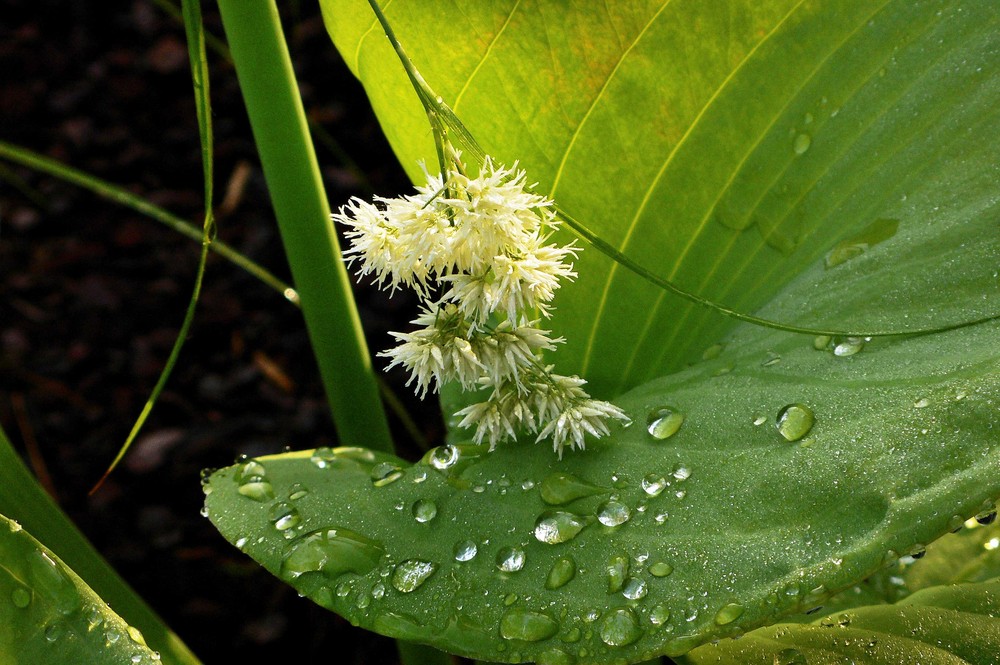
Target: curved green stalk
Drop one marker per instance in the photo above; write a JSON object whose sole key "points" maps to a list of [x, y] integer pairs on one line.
{"points": [[279, 126], [23, 499]]}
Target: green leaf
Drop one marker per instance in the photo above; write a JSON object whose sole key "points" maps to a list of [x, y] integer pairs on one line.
{"points": [[750, 525], [48, 615], [727, 146]]}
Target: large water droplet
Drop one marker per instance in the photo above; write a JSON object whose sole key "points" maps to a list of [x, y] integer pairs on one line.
{"points": [[284, 516], [409, 575], [617, 570], [659, 615], [794, 421], [801, 143], [729, 613], [620, 628], [848, 346], [510, 559], [253, 482], [653, 484], [557, 526], [562, 488], [562, 571], [613, 513], [297, 491], [521, 624], [21, 597], [333, 552], [664, 422], [424, 510], [660, 569], [49, 579], [635, 588], [323, 457], [443, 457], [385, 473], [790, 657], [465, 551]]}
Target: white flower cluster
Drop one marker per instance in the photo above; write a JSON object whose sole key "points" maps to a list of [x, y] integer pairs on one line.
{"points": [[477, 252]]}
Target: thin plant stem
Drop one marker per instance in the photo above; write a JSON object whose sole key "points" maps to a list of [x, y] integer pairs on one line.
{"points": [[122, 196], [277, 118], [199, 75], [24, 500]]}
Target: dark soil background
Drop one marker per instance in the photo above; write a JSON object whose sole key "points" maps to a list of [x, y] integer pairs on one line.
{"points": [[92, 295]]}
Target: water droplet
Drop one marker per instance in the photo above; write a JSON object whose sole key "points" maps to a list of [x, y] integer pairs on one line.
{"points": [[613, 513], [660, 569], [323, 457], [465, 551], [562, 488], [620, 628], [801, 143], [877, 232], [402, 626], [790, 657], [617, 570], [822, 342], [385, 473], [661, 518], [681, 472], [510, 559], [635, 588], [284, 516], [848, 346], [48, 579], [21, 597], [759, 420], [659, 615], [562, 571], [794, 421], [111, 636], [664, 422], [411, 574], [296, 492], [521, 624], [424, 510], [987, 516], [258, 491], [653, 484], [729, 613], [771, 360], [333, 552], [443, 457], [556, 526]]}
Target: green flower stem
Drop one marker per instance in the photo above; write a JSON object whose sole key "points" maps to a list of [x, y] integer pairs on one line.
{"points": [[23, 499], [279, 125]]}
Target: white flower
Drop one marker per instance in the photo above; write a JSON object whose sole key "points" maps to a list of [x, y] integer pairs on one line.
{"points": [[486, 241]]}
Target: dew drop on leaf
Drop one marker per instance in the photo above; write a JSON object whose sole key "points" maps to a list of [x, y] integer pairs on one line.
{"points": [[323, 457], [409, 575], [848, 346], [664, 422], [561, 488], [21, 597], [521, 624], [424, 510], [801, 143], [613, 513], [557, 526], [659, 615], [385, 473], [729, 613], [620, 628], [284, 516], [562, 571], [443, 457], [333, 552], [653, 484], [794, 421], [660, 569], [465, 551], [510, 559], [635, 588], [617, 570]]}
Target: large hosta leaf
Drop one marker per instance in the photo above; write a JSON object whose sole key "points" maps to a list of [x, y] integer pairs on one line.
{"points": [[725, 145], [643, 545], [48, 615]]}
